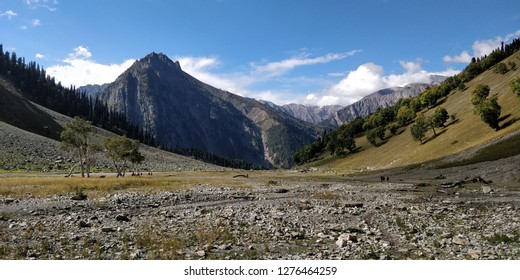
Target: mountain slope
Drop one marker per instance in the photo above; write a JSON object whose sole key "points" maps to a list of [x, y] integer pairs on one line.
{"points": [[181, 111], [370, 103], [29, 140], [17, 111], [311, 114], [461, 141]]}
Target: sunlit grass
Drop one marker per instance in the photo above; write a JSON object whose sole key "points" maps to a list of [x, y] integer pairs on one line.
{"points": [[45, 185]]}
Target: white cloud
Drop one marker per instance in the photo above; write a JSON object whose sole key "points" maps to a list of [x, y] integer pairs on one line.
{"points": [[23, 27], [241, 83], [278, 68], [369, 78], [40, 56], [463, 57], [481, 48], [46, 4], [80, 52], [78, 69], [36, 22], [9, 14]]}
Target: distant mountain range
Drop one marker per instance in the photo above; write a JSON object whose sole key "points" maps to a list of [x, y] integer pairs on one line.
{"points": [[181, 111], [336, 115]]}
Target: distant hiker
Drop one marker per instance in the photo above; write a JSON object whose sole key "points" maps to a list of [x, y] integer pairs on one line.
{"points": [[387, 178], [382, 178]]}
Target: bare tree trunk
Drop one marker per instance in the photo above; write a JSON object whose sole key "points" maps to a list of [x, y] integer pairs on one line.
{"points": [[71, 169], [82, 168]]}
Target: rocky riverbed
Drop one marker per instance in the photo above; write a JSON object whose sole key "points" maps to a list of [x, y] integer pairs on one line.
{"points": [[332, 218]]}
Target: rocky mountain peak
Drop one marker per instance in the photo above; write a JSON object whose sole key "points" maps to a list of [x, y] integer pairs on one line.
{"points": [[160, 62]]}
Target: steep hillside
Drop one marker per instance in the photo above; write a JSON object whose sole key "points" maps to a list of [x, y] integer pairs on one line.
{"points": [[181, 111], [17, 111], [461, 140]]}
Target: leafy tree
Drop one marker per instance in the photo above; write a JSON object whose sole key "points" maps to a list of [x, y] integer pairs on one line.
{"points": [[372, 137], [480, 93], [489, 111], [77, 135], [429, 98], [405, 115], [512, 65], [394, 127], [415, 104], [121, 151], [419, 129], [514, 85], [500, 68], [439, 117]]}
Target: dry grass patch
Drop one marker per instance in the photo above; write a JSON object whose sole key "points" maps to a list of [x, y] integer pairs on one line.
{"points": [[42, 186]]}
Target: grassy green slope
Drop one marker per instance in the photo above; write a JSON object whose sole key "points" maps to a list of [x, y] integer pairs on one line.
{"points": [[466, 132]]}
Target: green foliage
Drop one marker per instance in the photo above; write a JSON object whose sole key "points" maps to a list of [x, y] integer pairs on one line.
{"points": [[405, 115], [497, 239], [439, 117], [429, 98], [76, 135], [121, 151], [489, 111], [419, 129], [500, 68], [512, 65], [480, 93], [393, 127], [514, 85]]}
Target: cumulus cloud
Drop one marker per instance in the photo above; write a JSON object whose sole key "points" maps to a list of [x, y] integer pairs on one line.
{"points": [[40, 56], [9, 14], [369, 78], [463, 57], [481, 48], [36, 22], [79, 69]]}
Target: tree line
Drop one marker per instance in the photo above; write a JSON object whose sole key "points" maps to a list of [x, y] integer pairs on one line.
{"points": [[406, 111]]}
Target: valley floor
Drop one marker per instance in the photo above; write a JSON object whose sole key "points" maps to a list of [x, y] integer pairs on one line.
{"points": [[417, 214]]}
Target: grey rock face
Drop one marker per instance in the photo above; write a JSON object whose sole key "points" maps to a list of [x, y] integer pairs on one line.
{"points": [[181, 111]]}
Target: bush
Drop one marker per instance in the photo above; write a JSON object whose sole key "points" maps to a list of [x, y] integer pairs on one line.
{"points": [[489, 111], [514, 85]]}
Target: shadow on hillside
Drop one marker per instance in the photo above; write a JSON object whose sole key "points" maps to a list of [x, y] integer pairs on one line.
{"points": [[508, 123], [439, 133], [452, 122]]}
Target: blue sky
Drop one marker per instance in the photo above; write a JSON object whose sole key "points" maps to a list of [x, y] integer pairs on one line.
{"points": [[306, 51]]}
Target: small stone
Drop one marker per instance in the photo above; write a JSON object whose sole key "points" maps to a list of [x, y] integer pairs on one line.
{"points": [[344, 239], [474, 254], [122, 218], [201, 253], [224, 247], [458, 240], [108, 229], [486, 189], [83, 224]]}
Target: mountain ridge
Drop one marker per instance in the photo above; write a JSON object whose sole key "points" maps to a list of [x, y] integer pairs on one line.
{"points": [[181, 111]]}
